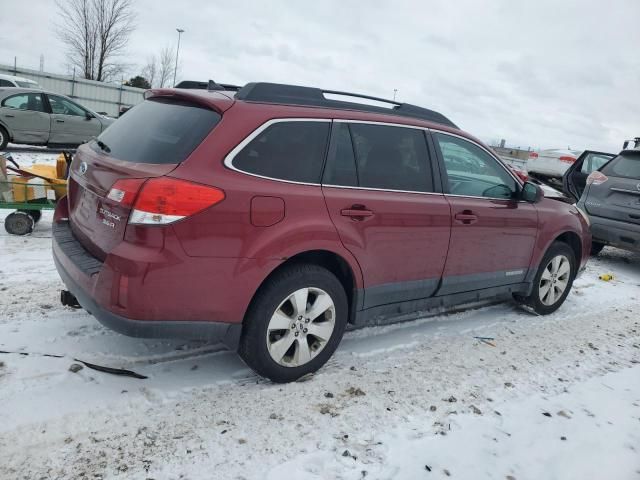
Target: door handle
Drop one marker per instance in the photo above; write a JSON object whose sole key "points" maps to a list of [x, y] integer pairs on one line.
{"points": [[59, 121], [357, 212], [466, 217], [8, 115]]}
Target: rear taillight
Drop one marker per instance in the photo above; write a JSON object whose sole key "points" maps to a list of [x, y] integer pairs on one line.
{"points": [[166, 200], [124, 191], [596, 178], [533, 155], [567, 159]]}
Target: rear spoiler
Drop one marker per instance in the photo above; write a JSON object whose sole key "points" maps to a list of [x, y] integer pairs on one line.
{"points": [[210, 85]]}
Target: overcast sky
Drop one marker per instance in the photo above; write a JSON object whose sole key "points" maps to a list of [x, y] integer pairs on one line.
{"points": [[540, 73]]}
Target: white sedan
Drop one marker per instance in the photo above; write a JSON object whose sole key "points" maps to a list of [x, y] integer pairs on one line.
{"points": [[551, 163]]}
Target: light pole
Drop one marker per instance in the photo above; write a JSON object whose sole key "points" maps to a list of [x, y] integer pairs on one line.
{"points": [[395, 91], [175, 71]]}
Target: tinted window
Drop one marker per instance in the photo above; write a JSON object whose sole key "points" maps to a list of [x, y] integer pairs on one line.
{"points": [[473, 172], [341, 161], [25, 101], [393, 158], [158, 131], [6, 83], [286, 150], [626, 165]]}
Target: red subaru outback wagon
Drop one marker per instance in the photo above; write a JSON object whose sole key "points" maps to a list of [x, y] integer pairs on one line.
{"points": [[272, 217]]}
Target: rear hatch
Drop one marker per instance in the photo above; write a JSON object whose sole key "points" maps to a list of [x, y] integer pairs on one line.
{"points": [[615, 192], [150, 141]]}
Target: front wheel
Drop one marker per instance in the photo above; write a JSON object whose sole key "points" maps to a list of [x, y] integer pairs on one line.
{"points": [[553, 280], [295, 323]]}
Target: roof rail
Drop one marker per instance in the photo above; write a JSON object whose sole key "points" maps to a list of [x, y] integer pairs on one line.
{"points": [[310, 96]]}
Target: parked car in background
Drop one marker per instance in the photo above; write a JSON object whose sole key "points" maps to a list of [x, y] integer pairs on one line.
{"points": [[34, 117], [272, 217], [610, 197], [19, 82], [551, 163]]}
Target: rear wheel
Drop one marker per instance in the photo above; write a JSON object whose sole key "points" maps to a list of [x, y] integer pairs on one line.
{"points": [[295, 323], [553, 280], [596, 248], [4, 138], [19, 223]]}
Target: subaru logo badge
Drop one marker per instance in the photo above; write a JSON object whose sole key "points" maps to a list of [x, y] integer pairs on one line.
{"points": [[83, 168]]}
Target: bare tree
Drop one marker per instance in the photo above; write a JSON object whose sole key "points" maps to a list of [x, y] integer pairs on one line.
{"points": [[150, 70], [166, 66], [96, 33]]}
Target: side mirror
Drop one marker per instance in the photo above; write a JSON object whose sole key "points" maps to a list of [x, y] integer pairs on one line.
{"points": [[531, 193], [88, 116], [625, 144]]}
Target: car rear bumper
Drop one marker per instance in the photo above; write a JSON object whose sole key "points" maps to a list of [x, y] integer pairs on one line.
{"points": [[615, 233], [81, 272]]}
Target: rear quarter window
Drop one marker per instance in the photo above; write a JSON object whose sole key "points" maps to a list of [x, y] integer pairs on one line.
{"points": [[287, 150], [626, 165], [158, 131]]}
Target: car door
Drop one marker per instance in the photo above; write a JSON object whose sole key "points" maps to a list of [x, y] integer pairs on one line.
{"points": [[71, 124], [25, 116], [575, 178], [380, 191], [493, 233]]}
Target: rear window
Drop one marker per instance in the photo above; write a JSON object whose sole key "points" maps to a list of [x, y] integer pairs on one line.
{"points": [[158, 131], [288, 150], [626, 165]]}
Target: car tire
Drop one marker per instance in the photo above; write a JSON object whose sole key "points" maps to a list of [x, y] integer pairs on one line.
{"points": [[596, 248], [4, 138], [19, 223], [282, 342], [557, 269]]}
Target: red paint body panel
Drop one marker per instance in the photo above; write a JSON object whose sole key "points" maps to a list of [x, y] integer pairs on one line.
{"points": [[502, 237], [405, 239]]}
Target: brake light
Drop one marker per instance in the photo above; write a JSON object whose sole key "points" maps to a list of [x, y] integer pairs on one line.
{"points": [[124, 191], [533, 155], [166, 200], [596, 178], [567, 159]]}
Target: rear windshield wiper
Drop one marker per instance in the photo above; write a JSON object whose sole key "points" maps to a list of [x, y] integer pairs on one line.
{"points": [[103, 146]]}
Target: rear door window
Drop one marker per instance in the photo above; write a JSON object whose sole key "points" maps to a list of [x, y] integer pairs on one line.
{"points": [[391, 158], [158, 131], [287, 150], [341, 161], [626, 165]]}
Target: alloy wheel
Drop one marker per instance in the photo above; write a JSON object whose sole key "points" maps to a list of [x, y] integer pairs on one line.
{"points": [[301, 326], [554, 280]]}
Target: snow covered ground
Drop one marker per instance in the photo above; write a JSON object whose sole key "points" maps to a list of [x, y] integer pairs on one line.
{"points": [[557, 397]]}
